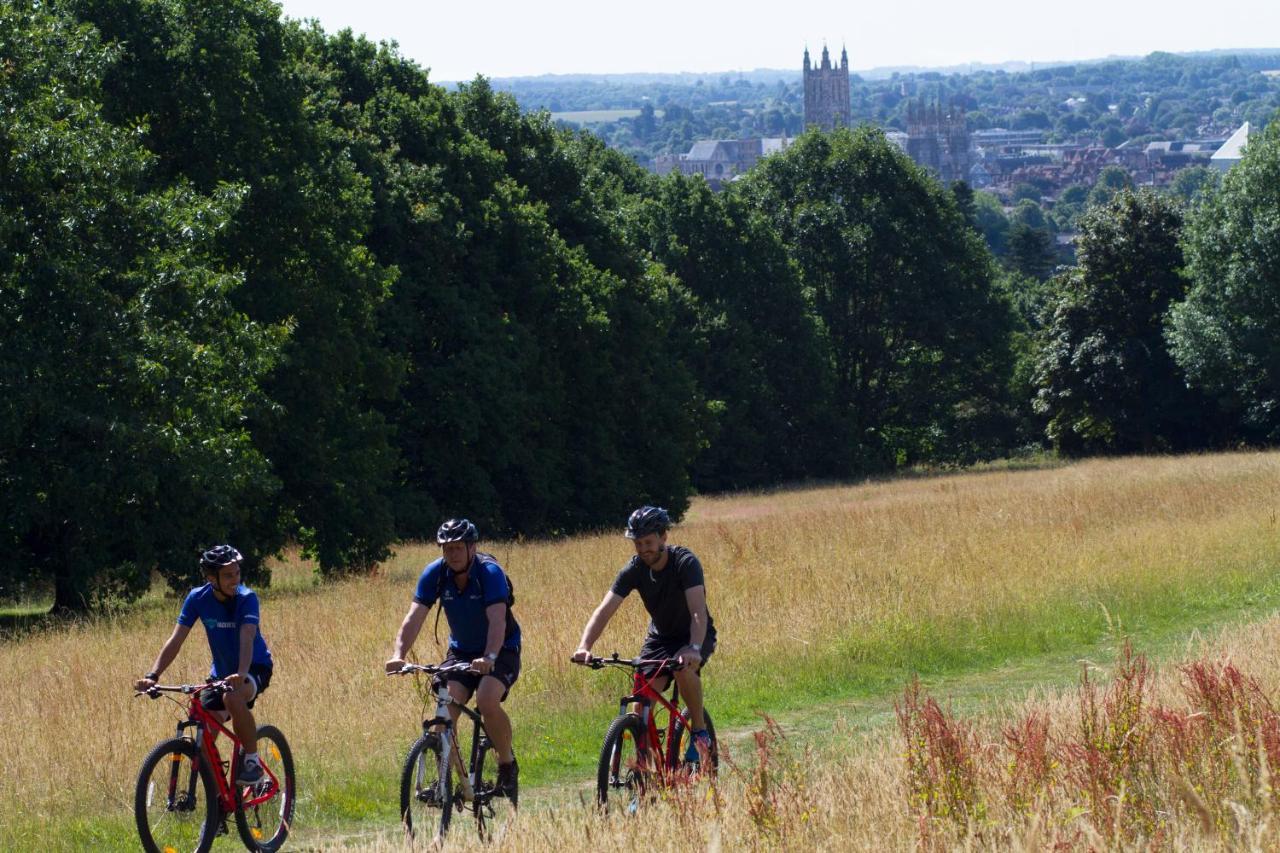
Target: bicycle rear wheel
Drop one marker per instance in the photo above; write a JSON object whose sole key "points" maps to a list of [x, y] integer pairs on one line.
{"points": [[175, 803], [265, 823], [493, 807], [680, 743], [426, 789], [625, 770]]}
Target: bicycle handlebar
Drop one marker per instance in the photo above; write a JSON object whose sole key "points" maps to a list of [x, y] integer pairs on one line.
{"points": [[432, 669], [217, 685], [632, 663]]}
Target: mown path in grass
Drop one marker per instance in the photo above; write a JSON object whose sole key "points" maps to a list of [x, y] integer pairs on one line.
{"points": [[812, 723]]}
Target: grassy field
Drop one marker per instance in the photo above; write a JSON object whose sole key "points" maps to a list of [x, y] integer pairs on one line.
{"points": [[820, 596]]}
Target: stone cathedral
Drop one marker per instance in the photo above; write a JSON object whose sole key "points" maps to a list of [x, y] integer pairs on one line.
{"points": [[826, 92]]}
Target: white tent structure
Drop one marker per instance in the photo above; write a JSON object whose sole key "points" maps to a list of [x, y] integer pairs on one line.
{"points": [[1232, 150]]}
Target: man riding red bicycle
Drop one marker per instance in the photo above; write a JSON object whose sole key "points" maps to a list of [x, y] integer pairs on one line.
{"points": [[241, 659], [670, 581]]}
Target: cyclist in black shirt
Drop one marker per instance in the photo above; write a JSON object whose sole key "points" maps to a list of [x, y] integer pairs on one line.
{"points": [[670, 582]]}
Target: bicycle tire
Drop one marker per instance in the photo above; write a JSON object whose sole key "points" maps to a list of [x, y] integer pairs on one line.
{"points": [[264, 827], [676, 749], [492, 810], [175, 822], [622, 766], [425, 767]]}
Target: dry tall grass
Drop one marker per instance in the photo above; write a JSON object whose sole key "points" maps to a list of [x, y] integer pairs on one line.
{"points": [[791, 576]]}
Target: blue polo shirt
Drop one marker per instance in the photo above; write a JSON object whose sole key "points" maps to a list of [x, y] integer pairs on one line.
{"points": [[465, 609], [222, 623]]}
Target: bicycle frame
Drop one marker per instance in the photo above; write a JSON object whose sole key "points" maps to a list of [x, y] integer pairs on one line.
{"points": [[444, 721], [644, 694], [208, 727]]}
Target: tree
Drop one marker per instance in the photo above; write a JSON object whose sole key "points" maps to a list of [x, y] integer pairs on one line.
{"points": [[1106, 380], [126, 372], [903, 286], [1226, 334], [757, 338], [1111, 180], [1030, 253], [230, 95], [1194, 183]]}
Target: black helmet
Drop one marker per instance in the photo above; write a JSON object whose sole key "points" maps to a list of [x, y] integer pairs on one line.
{"points": [[219, 556], [646, 520], [457, 530]]}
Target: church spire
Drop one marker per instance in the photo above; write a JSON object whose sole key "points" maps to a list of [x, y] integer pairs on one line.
{"points": [[806, 57], [826, 58], [844, 57]]}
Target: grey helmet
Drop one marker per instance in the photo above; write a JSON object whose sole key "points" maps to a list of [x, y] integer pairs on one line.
{"points": [[457, 530], [646, 520]]}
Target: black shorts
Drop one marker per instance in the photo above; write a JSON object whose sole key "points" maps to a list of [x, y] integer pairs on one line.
{"points": [[505, 669], [659, 648], [261, 675]]}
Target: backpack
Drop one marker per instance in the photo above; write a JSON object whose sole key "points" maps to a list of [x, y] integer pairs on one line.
{"points": [[511, 596]]}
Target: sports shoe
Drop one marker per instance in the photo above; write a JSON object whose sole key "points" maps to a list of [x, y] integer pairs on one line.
{"points": [[509, 779], [699, 745], [251, 773]]}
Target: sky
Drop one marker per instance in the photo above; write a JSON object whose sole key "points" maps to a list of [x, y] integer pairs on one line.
{"points": [[499, 38]]}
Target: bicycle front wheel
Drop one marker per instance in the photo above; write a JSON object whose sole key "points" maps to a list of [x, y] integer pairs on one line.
{"points": [[175, 803], [494, 807], [426, 790], [625, 769], [264, 812]]}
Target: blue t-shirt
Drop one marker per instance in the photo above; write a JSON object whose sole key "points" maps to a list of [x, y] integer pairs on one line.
{"points": [[465, 609], [222, 622]]}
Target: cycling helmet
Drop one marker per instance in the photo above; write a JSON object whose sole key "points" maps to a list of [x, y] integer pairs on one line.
{"points": [[219, 556], [646, 520], [457, 530]]}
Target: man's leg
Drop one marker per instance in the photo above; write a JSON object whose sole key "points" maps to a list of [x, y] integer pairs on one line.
{"points": [[690, 683], [496, 721], [237, 704], [461, 695]]}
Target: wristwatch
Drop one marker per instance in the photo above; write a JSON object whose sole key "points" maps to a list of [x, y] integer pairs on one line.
{"points": [[151, 676], [492, 657], [697, 647]]}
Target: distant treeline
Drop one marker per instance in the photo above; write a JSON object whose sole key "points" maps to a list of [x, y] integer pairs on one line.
{"points": [[263, 284], [1162, 96]]}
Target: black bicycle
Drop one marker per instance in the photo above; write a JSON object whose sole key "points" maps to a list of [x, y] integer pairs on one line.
{"points": [[437, 781]]}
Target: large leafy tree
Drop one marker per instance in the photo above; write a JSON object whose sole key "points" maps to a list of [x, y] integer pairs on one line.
{"points": [[1226, 334], [918, 339], [126, 373], [757, 339], [229, 95], [517, 309], [1106, 381]]}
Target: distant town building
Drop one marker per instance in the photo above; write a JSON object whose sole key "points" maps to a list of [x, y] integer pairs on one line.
{"points": [[1232, 150], [720, 160], [826, 92], [938, 139]]}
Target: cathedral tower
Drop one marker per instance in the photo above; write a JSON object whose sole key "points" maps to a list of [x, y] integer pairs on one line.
{"points": [[826, 92]]}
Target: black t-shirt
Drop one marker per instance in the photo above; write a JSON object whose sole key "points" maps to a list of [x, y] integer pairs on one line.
{"points": [[663, 592]]}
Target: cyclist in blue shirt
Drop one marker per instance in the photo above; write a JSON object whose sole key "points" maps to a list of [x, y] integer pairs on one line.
{"points": [[229, 613], [476, 598]]}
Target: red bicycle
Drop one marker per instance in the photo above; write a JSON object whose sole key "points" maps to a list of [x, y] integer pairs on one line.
{"points": [[639, 755], [185, 789]]}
